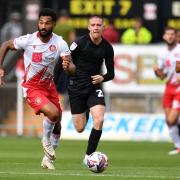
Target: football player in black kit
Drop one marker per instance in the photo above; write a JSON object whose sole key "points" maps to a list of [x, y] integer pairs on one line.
{"points": [[85, 92]]}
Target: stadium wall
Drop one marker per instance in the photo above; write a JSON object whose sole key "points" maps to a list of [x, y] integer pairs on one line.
{"points": [[122, 126], [134, 69]]}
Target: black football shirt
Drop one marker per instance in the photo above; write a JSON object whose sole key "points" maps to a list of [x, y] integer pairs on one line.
{"points": [[88, 58]]}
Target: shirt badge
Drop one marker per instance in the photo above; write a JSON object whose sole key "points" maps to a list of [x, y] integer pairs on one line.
{"points": [[38, 100], [73, 46], [52, 48]]}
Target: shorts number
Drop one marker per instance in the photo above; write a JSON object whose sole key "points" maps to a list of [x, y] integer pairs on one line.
{"points": [[100, 93]]}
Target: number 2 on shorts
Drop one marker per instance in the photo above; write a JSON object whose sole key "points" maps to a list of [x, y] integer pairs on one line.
{"points": [[100, 93]]}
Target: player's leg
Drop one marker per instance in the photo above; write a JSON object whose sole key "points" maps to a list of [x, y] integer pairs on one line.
{"points": [[179, 124], [167, 104], [55, 136], [97, 108], [79, 110], [56, 132], [52, 117], [40, 100], [79, 121], [174, 131], [172, 120], [37, 99], [97, 113]]}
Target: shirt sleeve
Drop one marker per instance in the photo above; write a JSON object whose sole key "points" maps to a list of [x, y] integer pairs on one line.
{"points": [[21, 42], [64, 49], [177, 55], [109, 62]]}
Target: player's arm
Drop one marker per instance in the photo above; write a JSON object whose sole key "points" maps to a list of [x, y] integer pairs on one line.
{"points": [[178, 66], [7, 45], [159, 72], [178, 77], [66, 58], [67, 64], [109, 62]]}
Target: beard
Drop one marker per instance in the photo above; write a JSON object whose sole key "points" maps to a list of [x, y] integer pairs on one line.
{"points": [[44, 33], [171, 43]]}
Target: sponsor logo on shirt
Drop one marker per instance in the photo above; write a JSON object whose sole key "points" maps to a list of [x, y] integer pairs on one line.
{"points": [[37, 57], [168, 63]]}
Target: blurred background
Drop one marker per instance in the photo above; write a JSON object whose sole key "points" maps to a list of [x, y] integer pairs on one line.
{"points": [[133, 98]]}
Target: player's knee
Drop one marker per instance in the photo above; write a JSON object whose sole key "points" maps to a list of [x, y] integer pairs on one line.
{"points": [[54, 115], [171, 122], [79, 123], [79, 129], [98, 123], [98, 119]]}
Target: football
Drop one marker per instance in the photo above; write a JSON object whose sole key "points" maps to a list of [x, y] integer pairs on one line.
{"points": [[97, 162]]}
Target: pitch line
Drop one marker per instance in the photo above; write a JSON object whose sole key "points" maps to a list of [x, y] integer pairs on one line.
{"points": [[82, 174]]}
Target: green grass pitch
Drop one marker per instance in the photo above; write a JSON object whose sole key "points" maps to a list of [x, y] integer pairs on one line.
{"points": [[20, 160]]}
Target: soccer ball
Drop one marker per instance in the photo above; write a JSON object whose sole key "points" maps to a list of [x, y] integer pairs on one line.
{"points": [[97, 162]]}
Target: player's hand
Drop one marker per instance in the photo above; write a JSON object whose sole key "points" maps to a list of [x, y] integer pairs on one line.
{"points": [[155, 67], [1, 76], [65, 62], [159, 72], [178, 77], [97, 79]]}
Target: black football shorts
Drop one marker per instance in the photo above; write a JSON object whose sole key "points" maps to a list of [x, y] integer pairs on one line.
{"points": [[82, 100]]}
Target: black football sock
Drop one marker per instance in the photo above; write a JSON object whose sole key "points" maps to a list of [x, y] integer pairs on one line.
{"points": [[87, 115], [93, 141], [57, 128], [179, 128]]}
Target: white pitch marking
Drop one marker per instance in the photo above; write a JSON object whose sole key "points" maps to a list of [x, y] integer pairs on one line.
{"points": [[77, 174]]}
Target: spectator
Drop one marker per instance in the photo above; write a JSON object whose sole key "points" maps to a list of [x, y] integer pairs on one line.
{"points": [[137, 34], [66, 30], [12, 28], [111, 34]]}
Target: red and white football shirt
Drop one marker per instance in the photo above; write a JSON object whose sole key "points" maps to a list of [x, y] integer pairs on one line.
{"points": [[40, 58], [167, 63]]}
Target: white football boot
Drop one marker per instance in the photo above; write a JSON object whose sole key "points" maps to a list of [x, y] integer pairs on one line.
{"points": [[47, 163], [48, 150], [175, 151], [85, 160]]}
